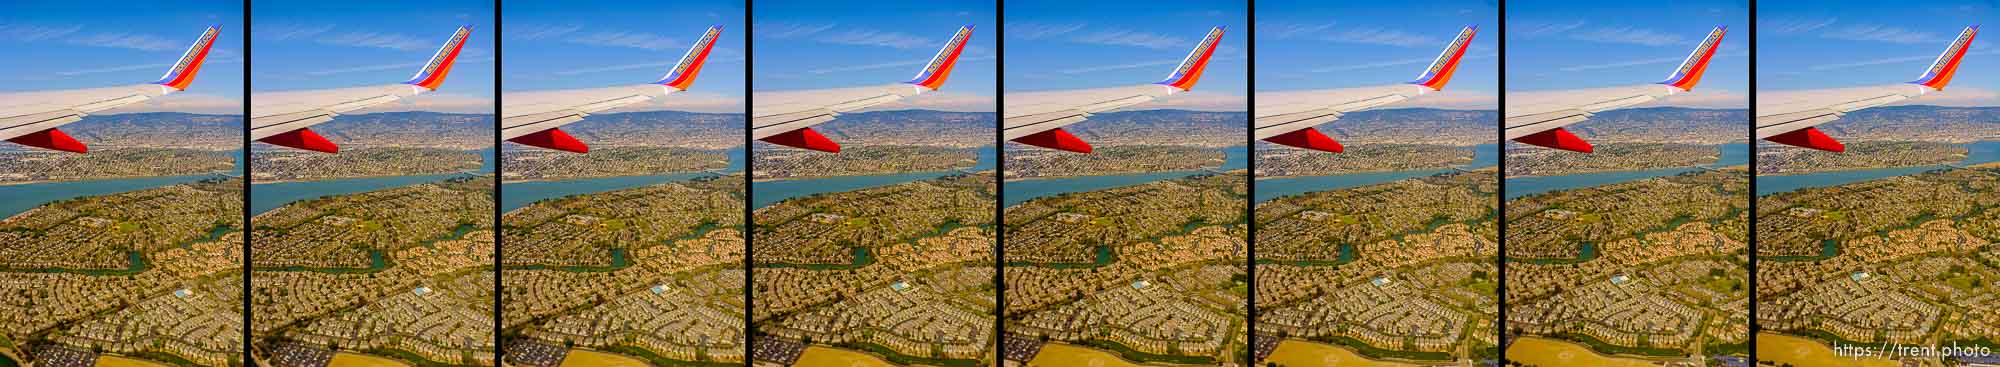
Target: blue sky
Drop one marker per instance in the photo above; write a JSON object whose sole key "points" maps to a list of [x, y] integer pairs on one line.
{"points": [[1057, 44], [302, 45], [1810, 45], [593, 44], [832, 44], [84, 44], [1553, 45], [1314, 45]]}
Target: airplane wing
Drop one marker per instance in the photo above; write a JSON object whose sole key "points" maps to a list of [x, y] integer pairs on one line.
{"points": [[1538, 118], [534, 120], [1288, 117], [1037, 118], [1790, 117], [283, 118], [31, 118], [786, 118]]}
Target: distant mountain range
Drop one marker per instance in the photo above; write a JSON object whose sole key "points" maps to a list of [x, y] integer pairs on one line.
{"points": [[159, 130], [1416, 126], [1918, 123], [913, 127], [1666, 125], [1165, 127]]}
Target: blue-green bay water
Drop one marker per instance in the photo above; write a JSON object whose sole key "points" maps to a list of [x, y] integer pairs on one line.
{"points": [[1977, 153], [515, 195], [15, 199], [765, 193], [1483, 155], [1236, 157], [264, 197], [1732, 155]]}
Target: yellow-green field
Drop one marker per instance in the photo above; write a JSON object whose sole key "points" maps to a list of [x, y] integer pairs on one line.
{"points": [[345, 359], [1555, 353], [591, 358], [818, 356], [1065, 355], [121, 361], [1295, 353], [1797, 351]]}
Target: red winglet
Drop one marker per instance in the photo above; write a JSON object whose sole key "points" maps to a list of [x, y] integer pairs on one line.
{"points": [[1308, 138], [302, 139], [553, 139], [1809, 138], [51, 139], [804, 138], [1055, 139], [1558, 138]]}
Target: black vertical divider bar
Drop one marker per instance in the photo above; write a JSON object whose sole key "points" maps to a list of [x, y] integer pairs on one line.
{"points": [[499, 350], [1250, 180], [1751, 128], [1500, 175], [999, 184], [749, 165], [247, 359]]}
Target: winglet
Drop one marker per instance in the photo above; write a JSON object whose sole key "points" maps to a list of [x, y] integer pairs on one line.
{"points": [[683, 73], [51, 139], [302, 139], [434, 72], [1685, 77], [553, 139], [1189, 72], [1941, 71], [1558, 138], [934, 73], [804, 138], [1439, 73], [182, 73]]}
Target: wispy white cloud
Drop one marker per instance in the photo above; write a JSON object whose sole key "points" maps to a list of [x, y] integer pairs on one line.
{"points": [[1135, 39], [1629, 35], [1372, 65], [29, 33], [358, 69], [1881, 33], [127, 40], [534, 32], [783, 30], [112, 69], [638, 40], [1289, 30], [1794, 25], [1543, 29], [1380, 36], [289, 31], [884, 65], [1583, 31], [1623, 64], [1136, 65], [1035, 31], [877, 38], [649, 65], [376, 40], [1884, 61]]}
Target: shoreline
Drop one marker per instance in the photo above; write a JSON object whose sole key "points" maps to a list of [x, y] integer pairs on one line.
{"points": [[756, 180], [267, 182], [16, 183]]}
